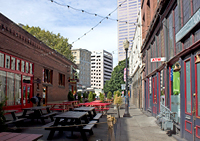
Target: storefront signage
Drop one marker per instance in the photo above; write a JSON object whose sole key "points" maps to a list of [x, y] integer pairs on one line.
{"points": [[194, 20], [158, 59]]}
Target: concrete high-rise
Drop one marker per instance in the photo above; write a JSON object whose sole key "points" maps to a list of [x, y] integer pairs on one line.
{"points": [[82, 59], [127, 16], [101, 68]]}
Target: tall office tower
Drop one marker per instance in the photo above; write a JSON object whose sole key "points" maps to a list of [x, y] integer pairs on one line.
{"points": [[101, 68], [127, 16], [82, 59]]}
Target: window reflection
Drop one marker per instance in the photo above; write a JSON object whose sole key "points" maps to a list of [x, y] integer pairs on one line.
{"points": [[31, 69], [17, 89], [1, 60], [27, 67], [7, 61], [22, 66], [3, 85], [18, 65], [10, 88], [12, 63]]}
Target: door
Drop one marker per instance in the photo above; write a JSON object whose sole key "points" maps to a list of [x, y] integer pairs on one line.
{"points": [[154, 85], [26, 95], [191, 118]]}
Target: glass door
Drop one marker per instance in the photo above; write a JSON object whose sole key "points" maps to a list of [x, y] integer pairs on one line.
{"points": [[26, 95]]}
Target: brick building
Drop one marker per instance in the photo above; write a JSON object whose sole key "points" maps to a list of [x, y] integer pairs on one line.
{"points": [[173, 33], [28, 67]]}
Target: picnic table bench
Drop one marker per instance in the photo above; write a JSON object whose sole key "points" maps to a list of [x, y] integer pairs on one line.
{"points": [[9, 136], [70, 121], [15, 121]]}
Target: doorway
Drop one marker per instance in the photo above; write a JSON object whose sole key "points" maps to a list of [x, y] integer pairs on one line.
{"points": [[26, 95]]}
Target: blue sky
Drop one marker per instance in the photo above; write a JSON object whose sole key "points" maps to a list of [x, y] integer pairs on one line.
{"points": [[69, 23]]}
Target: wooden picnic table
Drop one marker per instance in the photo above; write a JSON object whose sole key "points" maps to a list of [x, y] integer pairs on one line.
{"points": [[59, 106], [87, 109], [99, 106], [66, 119], [9, 136], [98, 101], [38, 113], [15, 120]]}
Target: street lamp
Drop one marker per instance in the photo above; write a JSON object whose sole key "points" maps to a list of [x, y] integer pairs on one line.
{"points": [[126, 114]]}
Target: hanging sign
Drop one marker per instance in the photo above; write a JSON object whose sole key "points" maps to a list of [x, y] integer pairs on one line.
{"points": [[158, 59]]}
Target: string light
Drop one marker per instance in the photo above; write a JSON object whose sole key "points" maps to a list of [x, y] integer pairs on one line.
{"points": [[90, 13]]}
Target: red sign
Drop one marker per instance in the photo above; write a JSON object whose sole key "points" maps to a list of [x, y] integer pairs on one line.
{"points": [[158, 59]]}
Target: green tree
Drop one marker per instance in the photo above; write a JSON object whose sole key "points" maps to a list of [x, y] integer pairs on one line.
{"points": [[56, 42], [70, 96], [90, 97], [109, 95], [79, 97], [117, 78], [101, 96]]}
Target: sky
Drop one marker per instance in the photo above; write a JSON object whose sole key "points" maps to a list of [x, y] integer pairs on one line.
{"points": [[71, 24]]}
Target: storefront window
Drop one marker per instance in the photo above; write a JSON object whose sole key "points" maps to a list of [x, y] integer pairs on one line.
{"points": [[2, 85], [12, 63], [7, 61], [1, 60], [18, 65], [10, 88], [22, 66], [188, 86], [27, 67], [17, 89]]}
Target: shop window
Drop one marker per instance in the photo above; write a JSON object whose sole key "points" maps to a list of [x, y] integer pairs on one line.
{"points": [[196, 5], [12, 63], [198, 86], [61, 79], [18, 65], [197, 35], [1, 60], [22, 66], [7, 61], [27, 67], [10, 89], [188, 86], [48, 74], [3, 85], [17, 89], [186, 11]]}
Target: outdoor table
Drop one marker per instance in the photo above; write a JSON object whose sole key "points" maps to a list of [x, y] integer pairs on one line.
{"points": [[87, 109], [9, 136], [59, 106], [70, 118], [38, 114], [98, 101], [12, 113], [99, 106]]}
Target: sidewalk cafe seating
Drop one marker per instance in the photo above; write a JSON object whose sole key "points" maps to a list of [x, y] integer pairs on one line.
{"points": [[17, 122], [38, 113], [70, 105], [70, 121], [63, 107]]}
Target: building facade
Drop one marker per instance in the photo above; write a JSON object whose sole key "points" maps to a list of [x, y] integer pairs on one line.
{"points": [[135, 65], [82, 59], [28, 67], [127, 16], [101, 68], [173, 34]]}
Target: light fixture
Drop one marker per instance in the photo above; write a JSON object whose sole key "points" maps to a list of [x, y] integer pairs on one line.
{"points": [[177, 67], [197, 58]]}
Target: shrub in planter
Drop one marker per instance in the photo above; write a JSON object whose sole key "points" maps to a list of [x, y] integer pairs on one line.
{"points": [[109, 95], [101, 97], [70, 96], [79, 97], [90, 97]]}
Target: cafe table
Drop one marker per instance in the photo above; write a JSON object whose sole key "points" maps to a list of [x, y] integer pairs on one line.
{"points": [[87, 109], [68, 121], [38, 113], [9, 136], [59, 106]]}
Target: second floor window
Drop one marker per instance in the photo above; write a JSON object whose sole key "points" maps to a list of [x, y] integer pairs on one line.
{"points": [[48, 75], [61, 79]]}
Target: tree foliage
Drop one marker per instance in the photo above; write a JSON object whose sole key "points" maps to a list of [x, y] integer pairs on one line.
{"points": [[109, 95], [117, 78], [90, 97], [101, 97], [56, 42], [70, 96]]}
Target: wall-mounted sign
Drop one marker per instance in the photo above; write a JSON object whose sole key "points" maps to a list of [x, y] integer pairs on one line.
{"points": [[158, 59]]}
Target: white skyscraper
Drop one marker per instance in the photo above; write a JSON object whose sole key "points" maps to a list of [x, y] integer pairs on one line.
{"points": [[101, 68], [127, 12]]}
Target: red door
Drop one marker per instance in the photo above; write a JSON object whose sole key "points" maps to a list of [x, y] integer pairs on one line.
{"points": [[26, 95]]}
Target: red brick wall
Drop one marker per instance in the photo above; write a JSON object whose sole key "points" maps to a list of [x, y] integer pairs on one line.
{"points": [[19, 43]]}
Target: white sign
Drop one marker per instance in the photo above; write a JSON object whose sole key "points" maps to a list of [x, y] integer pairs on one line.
{"points": [[123, 86], [158, 59]]}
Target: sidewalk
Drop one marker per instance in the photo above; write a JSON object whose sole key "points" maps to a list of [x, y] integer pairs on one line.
{"points": [[138, 127]]}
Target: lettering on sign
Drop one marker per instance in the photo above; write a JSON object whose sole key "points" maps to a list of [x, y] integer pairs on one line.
{"points": [[158, 59]]}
